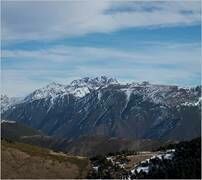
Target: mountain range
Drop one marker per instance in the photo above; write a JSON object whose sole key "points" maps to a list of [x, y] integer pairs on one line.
{"points": [[102, 106]]}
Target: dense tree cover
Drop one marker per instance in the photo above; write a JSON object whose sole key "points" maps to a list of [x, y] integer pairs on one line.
{"points": [[186, 163]]}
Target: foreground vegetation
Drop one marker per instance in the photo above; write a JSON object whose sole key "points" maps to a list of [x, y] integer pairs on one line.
{"points": [[20, 160], [185, 164]]}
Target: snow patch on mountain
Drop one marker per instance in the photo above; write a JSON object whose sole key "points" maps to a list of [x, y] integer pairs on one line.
{"points": [[197, 103], [128, 92], [6, 121], [99, 96], [161, 94], [79, 92], [146, 165], [52, 90], [94, 83]]}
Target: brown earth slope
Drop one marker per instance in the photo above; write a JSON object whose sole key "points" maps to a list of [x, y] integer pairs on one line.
{"points": [[23, 161]]}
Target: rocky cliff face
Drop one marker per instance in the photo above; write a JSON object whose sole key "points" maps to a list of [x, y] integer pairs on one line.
{"points": [[102, 106]]}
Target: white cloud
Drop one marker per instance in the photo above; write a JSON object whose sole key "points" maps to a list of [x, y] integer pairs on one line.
{"points": [[158, 62], [50, 19], [187, 55]]}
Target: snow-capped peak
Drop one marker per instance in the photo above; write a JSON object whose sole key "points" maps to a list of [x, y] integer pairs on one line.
{"points": [[94, 82], [78, 88], [54, 88], [81, 87], [51, 90], [7, 102]]}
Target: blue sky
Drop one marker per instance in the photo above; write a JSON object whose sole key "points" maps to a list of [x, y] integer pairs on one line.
{"points": [[158, 41]]}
